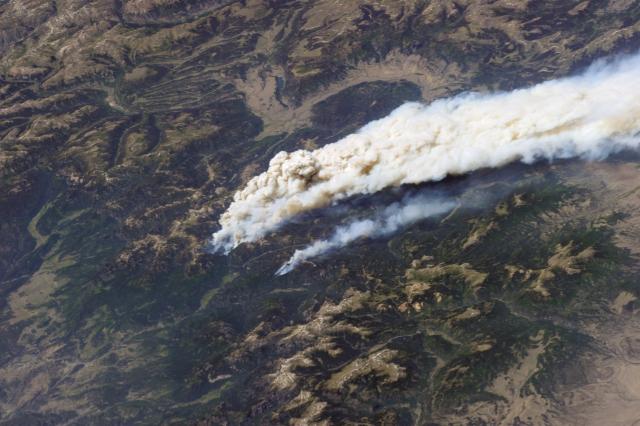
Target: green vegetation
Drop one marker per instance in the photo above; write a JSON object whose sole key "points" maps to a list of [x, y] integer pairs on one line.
{"points": [[126, 127]]}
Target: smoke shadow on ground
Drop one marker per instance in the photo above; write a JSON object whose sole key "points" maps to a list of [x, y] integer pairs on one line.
{"points": [[473, 194]]}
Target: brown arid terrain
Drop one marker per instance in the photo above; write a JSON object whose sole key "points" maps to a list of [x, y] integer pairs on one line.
{"points": [[126, 126]]}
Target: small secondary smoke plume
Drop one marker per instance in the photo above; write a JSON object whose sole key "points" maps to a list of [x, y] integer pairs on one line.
{"points": [[392, 218], [589, 116]]}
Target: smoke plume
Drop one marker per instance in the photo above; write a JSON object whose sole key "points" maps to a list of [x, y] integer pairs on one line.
{"points": [[392, 218], [589, 116]]}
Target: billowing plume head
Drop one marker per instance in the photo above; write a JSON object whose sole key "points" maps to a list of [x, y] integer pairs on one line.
{"points": [[590, 115]]}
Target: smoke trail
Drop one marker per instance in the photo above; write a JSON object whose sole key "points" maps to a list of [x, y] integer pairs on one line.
{"points": [[589, 116], [392, 218]]}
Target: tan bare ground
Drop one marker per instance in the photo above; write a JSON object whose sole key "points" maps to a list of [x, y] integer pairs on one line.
{"points": [[616, 186], [519, 401], [612, 395], [436, 79], [610, 391]]}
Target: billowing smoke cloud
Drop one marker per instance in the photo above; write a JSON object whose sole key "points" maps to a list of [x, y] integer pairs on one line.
{"points": [[589, 116], [392, 218]]}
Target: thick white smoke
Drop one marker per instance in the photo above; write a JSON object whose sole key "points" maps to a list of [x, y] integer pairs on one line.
{"points": [[589, 115], [392, 218]]}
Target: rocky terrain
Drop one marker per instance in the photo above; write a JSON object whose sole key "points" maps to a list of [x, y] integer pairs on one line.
{"points": [[126, 127]]}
